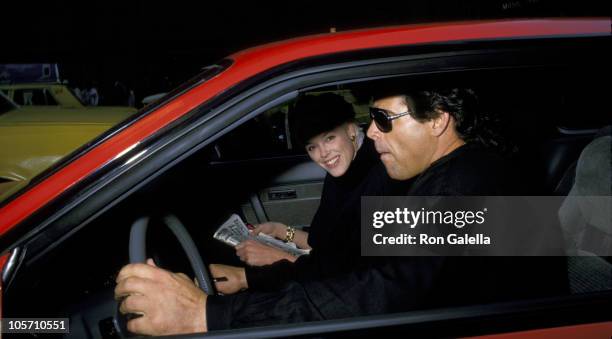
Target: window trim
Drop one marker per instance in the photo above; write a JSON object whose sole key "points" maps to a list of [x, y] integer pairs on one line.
{"points": [[461, 321]]}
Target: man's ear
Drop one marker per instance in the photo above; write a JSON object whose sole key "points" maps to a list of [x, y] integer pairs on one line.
{"points": [[440, 123]]}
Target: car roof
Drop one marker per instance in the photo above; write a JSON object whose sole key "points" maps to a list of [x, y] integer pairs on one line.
{"points": [[259, 59]]}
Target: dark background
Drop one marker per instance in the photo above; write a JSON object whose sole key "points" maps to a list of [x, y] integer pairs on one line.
{"points": [[152, 46]]}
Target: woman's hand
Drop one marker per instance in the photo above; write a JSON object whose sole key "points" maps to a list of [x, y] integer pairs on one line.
{"points": [[255, 253], [271, 228], [236, 278], [279, 231]]}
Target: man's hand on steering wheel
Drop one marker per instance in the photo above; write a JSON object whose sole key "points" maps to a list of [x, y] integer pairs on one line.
{"points": [[170, 303], [163, 302]]}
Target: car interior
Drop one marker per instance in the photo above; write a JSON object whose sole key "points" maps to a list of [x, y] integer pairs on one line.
{"points": [[547, 115]]}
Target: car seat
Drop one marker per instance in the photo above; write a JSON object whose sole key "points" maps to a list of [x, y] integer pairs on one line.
{"points": [[586, 218]]}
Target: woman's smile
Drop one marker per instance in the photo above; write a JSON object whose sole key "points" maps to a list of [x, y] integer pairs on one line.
{"points": [[333, 162]]}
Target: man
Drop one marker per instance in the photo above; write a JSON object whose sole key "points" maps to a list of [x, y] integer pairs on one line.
{"points": [[431, 137]]}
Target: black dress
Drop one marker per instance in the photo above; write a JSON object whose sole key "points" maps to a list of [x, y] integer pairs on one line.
{"points": [[397, 284]]}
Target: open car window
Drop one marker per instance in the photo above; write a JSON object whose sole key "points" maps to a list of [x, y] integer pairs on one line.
{"points": [[538, 116]]}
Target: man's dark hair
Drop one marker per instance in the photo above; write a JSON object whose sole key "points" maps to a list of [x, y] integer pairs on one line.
{"points": [[472, 123], [461, 104], [315, 114]]}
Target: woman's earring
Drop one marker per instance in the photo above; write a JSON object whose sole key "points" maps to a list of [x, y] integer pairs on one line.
{"points": [[352, 138]]}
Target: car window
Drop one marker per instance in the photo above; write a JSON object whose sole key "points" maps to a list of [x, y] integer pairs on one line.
{"points": [[528, 116], [263, 136]]}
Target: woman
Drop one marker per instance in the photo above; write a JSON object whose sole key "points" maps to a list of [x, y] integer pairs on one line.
{"points": [[325, 125]]}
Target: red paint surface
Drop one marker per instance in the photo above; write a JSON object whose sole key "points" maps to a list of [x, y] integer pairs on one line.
{"points": [[3, 260]]}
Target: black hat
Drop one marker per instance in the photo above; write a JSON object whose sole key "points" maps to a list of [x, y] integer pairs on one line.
{"points": [[316, 114]]}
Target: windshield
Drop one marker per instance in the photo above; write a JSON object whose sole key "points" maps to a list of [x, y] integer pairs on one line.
{"points": [[43, 123]]}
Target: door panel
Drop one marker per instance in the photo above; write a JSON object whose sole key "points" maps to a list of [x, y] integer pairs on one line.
{"points": [[292, 198]]}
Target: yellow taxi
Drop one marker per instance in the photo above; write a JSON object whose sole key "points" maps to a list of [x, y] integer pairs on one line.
{"points": [[32, 138]]}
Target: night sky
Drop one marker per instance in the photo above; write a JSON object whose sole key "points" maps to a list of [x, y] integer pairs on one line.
{"points": [[152, 46]]}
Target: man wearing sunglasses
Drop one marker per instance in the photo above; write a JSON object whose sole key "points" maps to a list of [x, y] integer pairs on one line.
{"points": [[411, 132], [436, 139]]}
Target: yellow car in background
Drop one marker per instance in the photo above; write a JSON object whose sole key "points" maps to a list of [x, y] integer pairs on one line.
{"points": [[41, 94], [33, 138], [51, 95]]}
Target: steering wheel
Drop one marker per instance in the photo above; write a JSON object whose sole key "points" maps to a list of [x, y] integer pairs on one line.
{"points": [[138, 254]]}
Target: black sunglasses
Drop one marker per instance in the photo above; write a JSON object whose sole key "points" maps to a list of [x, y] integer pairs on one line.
{"points": [[383, 119]]}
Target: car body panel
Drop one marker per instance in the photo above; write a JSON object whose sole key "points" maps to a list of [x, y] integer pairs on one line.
{"points": [[257, 60], [597, 330], [260, 58]]}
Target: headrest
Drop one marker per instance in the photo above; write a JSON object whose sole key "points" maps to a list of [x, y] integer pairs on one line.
{"points": [[586, 213]]}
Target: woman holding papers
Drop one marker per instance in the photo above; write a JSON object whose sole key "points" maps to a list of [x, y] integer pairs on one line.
{"points": [[325, 125]]}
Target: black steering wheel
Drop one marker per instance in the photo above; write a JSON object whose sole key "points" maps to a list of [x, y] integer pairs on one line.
{"points": [[138, 254]]}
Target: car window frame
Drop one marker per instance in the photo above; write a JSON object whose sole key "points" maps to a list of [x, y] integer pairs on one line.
{"points": [[200, 128], [203, 114]]}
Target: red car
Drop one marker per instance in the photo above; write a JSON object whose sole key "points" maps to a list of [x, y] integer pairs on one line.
{"points": [[220, 144]]}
